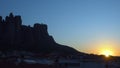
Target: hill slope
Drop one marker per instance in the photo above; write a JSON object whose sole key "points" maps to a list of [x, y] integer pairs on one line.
{"points": [[15, 36]]}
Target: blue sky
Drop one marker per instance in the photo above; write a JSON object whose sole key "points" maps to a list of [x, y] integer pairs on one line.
{"points": [[76, 23]]}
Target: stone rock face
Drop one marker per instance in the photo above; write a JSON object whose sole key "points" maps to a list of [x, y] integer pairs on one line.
{"points": [[14, 33], [0, 19], [15, 36]]}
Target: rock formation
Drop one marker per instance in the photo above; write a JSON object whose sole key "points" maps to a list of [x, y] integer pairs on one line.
{"points": [[15, 36]]}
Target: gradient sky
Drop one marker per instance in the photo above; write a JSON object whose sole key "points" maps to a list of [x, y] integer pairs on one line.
{"points": [[86, 25]]}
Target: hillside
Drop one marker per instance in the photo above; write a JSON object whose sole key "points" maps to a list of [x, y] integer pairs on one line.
{"points": [[16, 36]]}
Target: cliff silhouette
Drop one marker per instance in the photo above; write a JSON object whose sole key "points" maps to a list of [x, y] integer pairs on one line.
{"points": [[15, 36]]}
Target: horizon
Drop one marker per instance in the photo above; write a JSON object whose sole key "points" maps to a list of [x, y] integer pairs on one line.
{"points": [[88, 26]]}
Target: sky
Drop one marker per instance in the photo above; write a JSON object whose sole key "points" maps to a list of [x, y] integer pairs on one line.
{"points": [[86, 25]]}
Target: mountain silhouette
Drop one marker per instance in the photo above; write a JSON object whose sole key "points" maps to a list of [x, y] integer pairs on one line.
{"points": [[15, 36]]}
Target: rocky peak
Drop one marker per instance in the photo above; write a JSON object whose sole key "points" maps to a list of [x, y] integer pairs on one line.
{"points": [[15, 36], [14, 32], [11, 15], [0, 19]]}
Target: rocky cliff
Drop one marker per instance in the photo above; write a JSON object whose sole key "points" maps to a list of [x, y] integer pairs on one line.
{"points": [[15, 36]]}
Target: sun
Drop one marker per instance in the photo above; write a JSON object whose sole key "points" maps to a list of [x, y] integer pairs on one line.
{"points": [[107, 48], [107, 53]]}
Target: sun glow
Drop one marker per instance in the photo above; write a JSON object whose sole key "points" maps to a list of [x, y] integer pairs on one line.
{"points": [[107, 48], [107, 53]]}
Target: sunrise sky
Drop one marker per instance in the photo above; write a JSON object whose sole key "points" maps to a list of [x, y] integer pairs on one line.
{"points": [[90, 26]]}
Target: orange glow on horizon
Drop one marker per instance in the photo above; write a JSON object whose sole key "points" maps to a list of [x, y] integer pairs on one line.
{"points": [[107, 49], [107, 53]]}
